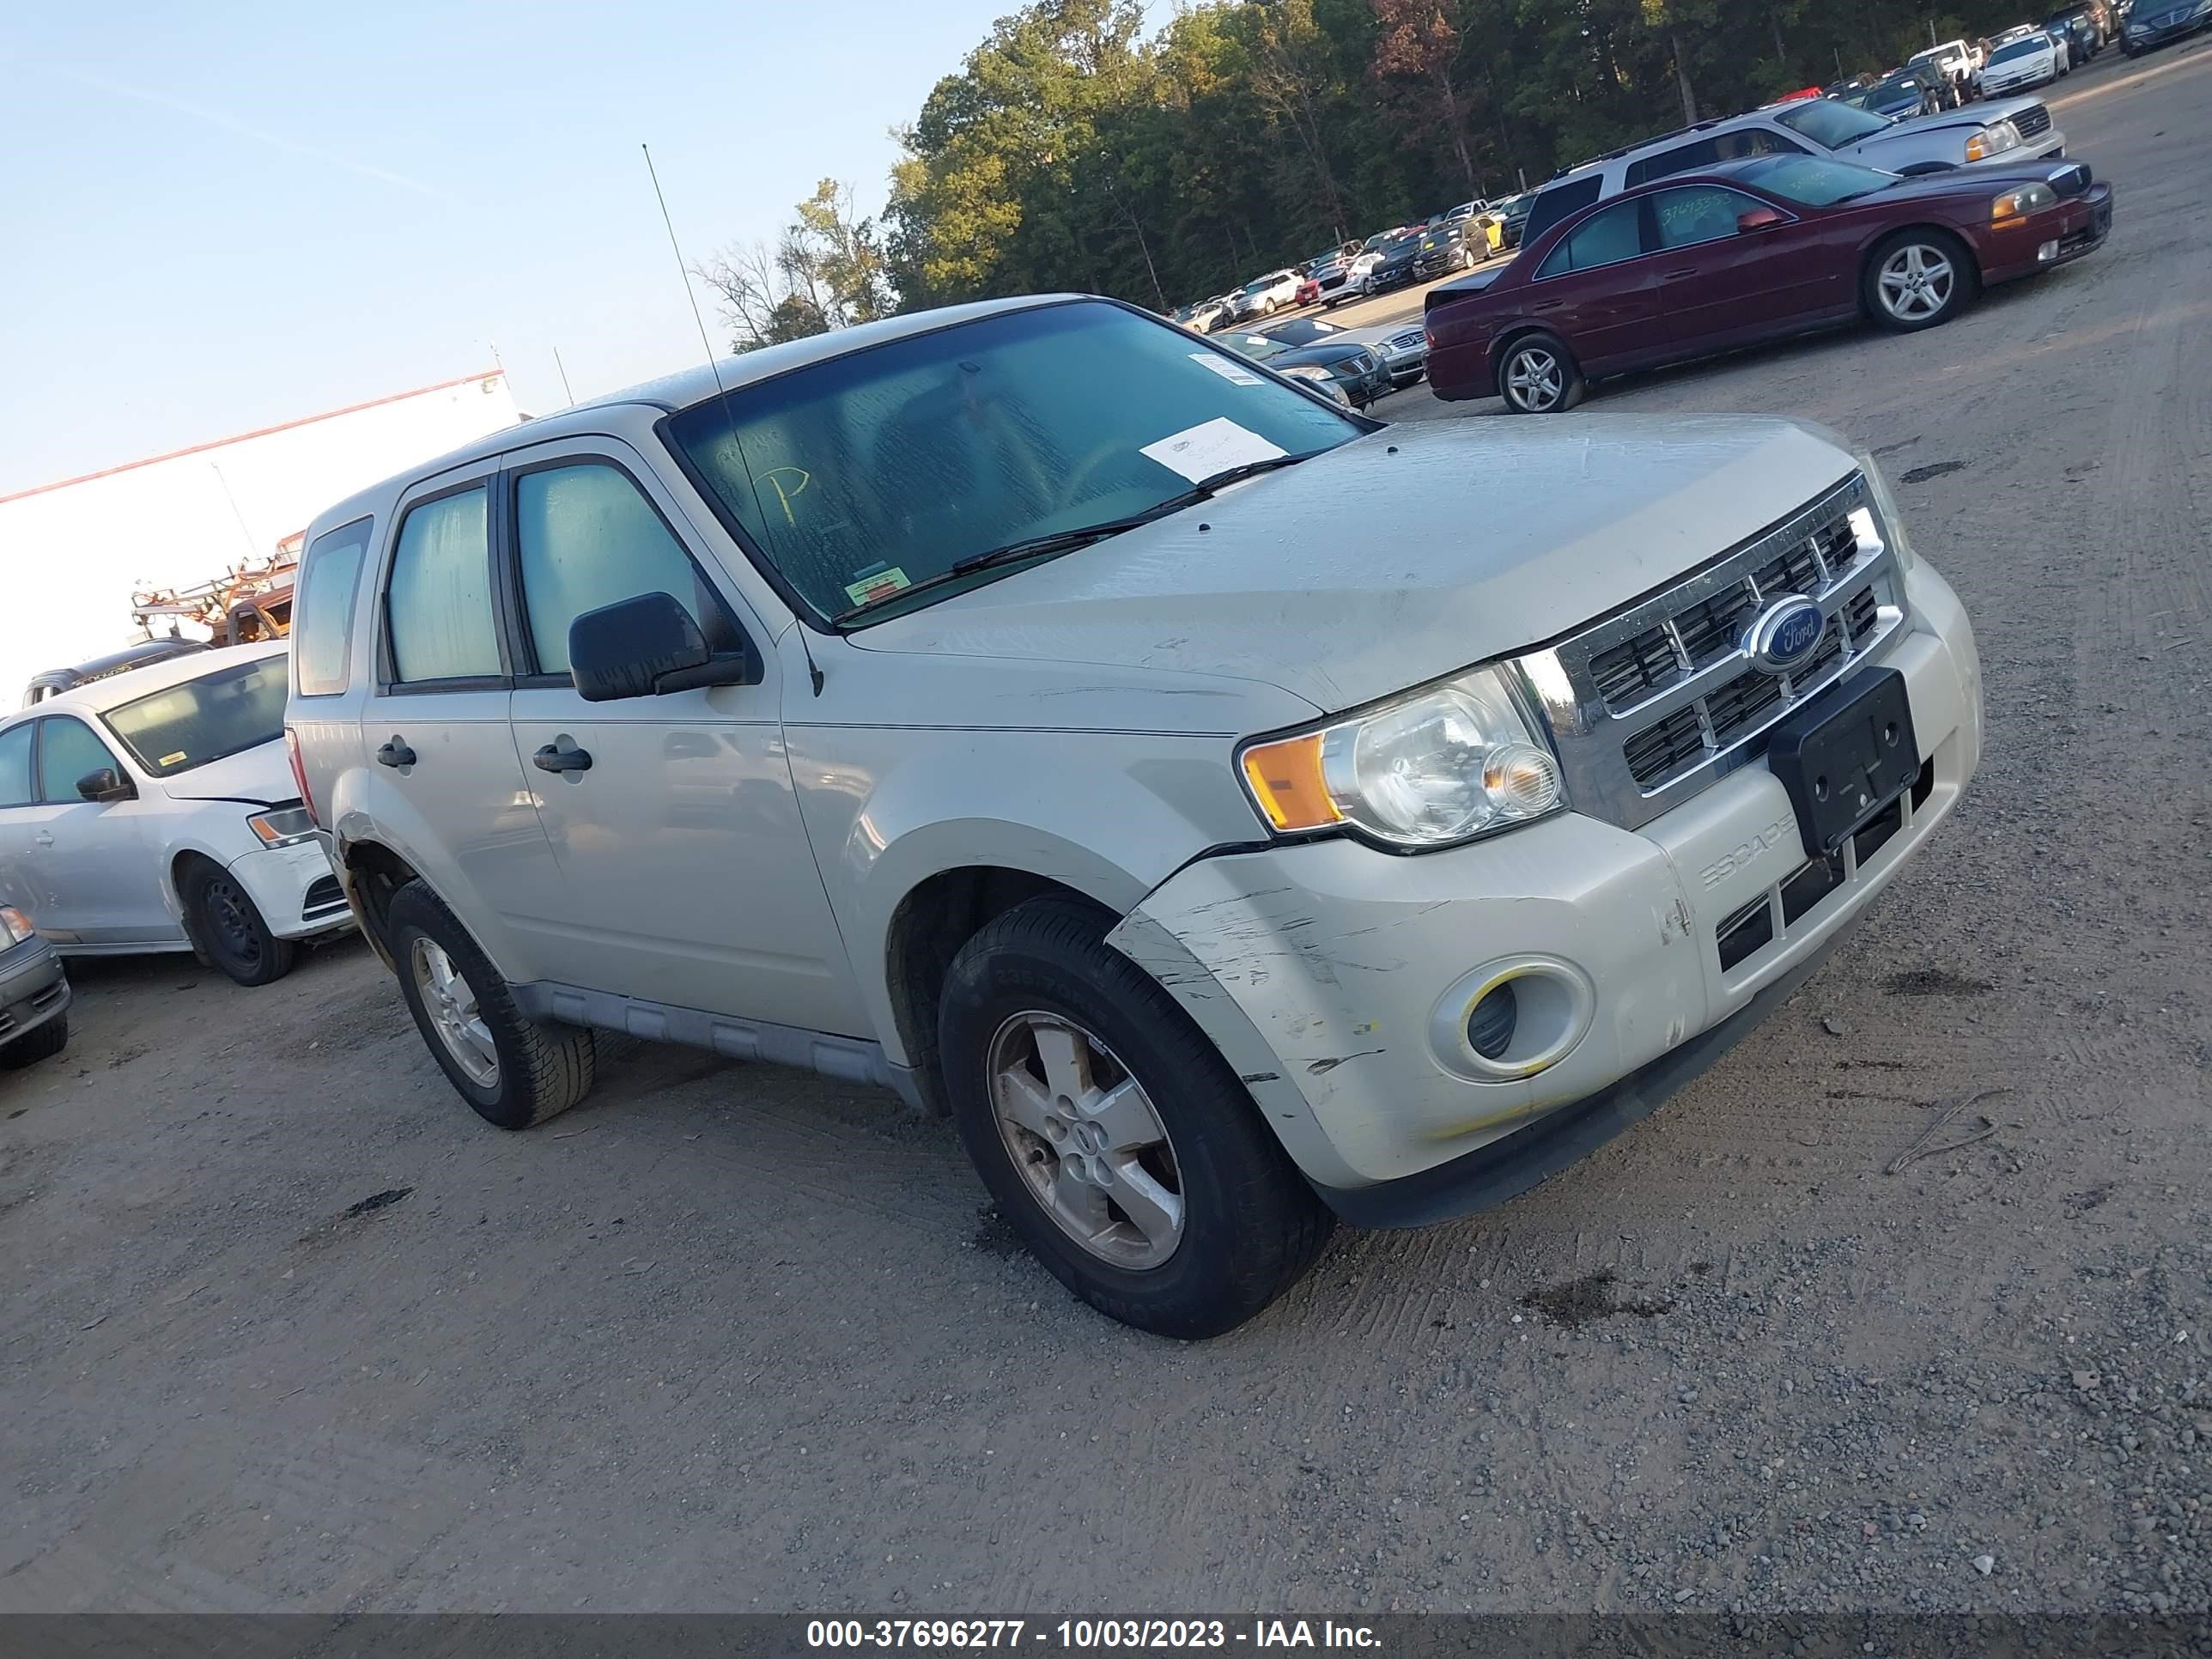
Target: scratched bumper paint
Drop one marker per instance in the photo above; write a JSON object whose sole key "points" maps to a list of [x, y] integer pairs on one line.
{"points": [[1317, 968]]}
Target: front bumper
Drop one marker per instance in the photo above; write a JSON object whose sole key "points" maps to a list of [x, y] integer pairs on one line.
{"points": [[2144, 41], [2077, 227], [33, 990], [294, 888], [1325, 972]]}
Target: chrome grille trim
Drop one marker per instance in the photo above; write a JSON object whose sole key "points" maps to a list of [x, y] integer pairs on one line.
{"points": [[1603, 743]]}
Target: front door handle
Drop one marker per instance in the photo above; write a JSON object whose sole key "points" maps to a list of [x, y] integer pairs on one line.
{"points": [[395, 753], [45, 838], [1679, 275], [562, 757]]}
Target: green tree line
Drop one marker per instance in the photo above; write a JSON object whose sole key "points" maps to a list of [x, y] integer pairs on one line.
{"points": [[1072, 151]]}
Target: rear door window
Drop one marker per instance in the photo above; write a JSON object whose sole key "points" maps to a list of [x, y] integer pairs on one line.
{"points": [[67, 751], [438, 605], [1604, 239], [322, 628], [15, 766], [1683, 158]]}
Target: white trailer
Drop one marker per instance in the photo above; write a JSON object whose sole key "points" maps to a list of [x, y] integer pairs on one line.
{"points": [[72, 554]]}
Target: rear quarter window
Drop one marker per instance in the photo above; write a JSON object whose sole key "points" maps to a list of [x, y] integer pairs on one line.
{"points": [[322, 620]]}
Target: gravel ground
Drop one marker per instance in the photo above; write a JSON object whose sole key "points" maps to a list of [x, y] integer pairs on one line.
{"points": [[288, 1328]]}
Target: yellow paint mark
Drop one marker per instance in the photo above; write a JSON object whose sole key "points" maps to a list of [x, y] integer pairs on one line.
{"points": [[774, 477]]}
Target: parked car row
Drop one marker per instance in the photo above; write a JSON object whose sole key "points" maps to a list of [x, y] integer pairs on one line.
{"points": [[154, 810]]}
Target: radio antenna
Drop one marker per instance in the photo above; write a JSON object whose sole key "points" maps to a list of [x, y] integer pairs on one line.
{"points": [[714, 368]]}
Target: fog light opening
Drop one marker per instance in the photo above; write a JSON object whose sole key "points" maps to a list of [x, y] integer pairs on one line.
{"points": [[1512, 1019], [1490, 1027], [2047, 252]]}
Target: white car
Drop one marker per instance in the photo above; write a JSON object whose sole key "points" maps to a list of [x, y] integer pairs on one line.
{"points": [[2027, 61], [1265, 296], [157, 810]]}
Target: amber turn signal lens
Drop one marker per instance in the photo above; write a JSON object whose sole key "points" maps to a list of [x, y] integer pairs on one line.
{"points": [[1287, 780]]}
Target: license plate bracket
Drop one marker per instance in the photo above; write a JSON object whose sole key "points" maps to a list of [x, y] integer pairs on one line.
{"points": [[1844, 757]]}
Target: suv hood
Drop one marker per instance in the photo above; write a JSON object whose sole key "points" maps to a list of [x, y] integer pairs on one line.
{"points": [[259, 775], [1965, 121], [1402, 557]]}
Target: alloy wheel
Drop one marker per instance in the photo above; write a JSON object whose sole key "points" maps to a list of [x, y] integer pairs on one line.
{"points": [[1916, 282], [451, 1002], [1535, 379], [1086, 1139]]}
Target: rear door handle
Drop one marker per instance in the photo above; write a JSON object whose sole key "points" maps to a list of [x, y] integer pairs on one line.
{"points": [[45, 838], [395, 753], [1678, 275], [563, 757]]}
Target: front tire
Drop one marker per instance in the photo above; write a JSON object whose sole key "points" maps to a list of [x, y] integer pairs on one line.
{"points": [[1117, 1142], [1917, 279], [516, 1072], [228, 926], [43, 1043], [1538, 375]]}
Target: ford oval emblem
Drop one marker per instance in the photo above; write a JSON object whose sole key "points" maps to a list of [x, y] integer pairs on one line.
{"points": [[1784, 635]]}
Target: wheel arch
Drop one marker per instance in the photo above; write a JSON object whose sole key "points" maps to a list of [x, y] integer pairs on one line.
{"points": [[932, 921], [1882, 239]]}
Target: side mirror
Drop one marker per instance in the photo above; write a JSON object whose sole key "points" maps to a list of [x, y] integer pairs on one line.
{"points": [[1761, 218], [105, 785], [649, 647]]}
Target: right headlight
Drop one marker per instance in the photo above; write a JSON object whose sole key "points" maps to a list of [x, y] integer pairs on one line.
{"points": [[1436, 767], [1994, 139], [14, 926], [2016, 203]]}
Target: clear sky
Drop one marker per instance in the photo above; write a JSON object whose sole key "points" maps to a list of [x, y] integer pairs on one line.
{"points": [[221, 216]]}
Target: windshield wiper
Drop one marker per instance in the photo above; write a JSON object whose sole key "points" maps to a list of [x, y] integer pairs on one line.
{"points": [[1066, 541]]}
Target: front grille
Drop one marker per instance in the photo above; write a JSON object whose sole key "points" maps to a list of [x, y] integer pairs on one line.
{"points": [[1649, 705], [2072, 180], [2032, 122], [1707, 630], [1407, 339]]}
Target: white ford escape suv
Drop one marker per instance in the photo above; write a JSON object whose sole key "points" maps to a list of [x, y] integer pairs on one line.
{"points": [[1039, 710]]}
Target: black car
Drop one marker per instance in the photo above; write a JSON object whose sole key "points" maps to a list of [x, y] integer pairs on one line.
{"points": [[52, 682], [1395, 266], [1307, 348], [2078, 29], [1913, 90], [1444, 250], [2155, 22]]}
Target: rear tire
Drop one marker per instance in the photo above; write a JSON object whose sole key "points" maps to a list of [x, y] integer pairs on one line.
{"points": [[43, 1043], [1095, 1110], [516, 1072], [1916, 279], [227, 924], [1538, 375]]}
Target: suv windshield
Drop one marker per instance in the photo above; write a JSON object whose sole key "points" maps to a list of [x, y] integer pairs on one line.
{"points": [[1813, 182], [873, 472], [1829, 124], [189, 725]]}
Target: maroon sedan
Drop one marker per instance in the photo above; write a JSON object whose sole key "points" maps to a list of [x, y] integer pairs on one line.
{"points": [[1749, 251]]}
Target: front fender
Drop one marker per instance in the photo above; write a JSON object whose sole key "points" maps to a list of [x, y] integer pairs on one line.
{"points": [[1108, 815]]}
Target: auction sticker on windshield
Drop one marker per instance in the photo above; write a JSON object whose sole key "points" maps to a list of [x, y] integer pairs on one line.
{"points": [[1209, 448], [876, 584], [1235, 373]]}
